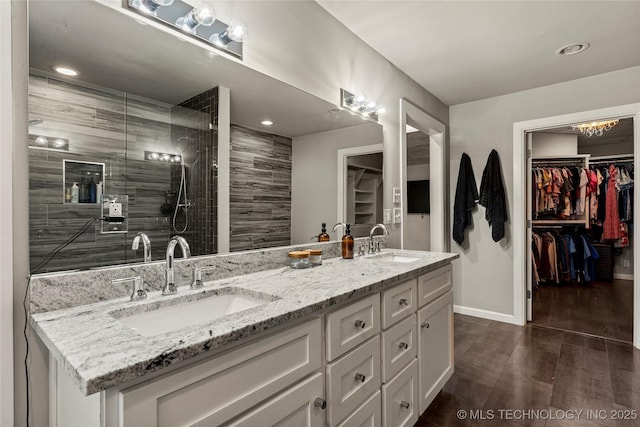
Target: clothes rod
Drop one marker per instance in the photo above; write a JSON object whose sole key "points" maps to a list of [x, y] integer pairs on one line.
{"points": [[619, 156]]}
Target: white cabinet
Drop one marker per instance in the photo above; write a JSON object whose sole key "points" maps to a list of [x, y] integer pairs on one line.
{"points": [[352, 325], [435, 341], [300, 406], [212, 392], [351, 379], [367, 415], [399, 397], [399, 347], [398, 302], [433, 284]]}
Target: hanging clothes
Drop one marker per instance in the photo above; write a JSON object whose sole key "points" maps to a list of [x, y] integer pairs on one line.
{"points": [[465, 199], [492, 196], [612, 217]]}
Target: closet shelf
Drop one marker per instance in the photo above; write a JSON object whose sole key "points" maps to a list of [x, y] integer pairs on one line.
{"points": [[558, 222]]}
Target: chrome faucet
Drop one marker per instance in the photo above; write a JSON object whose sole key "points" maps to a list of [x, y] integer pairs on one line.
{"points": [[340, 224], [372, 247], [145, 242], [169, 284]]}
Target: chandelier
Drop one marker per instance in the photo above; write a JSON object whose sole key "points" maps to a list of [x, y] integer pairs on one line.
{"points": [[595, 128]]}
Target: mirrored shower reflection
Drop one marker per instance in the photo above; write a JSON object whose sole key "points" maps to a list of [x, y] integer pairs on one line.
{"points": [[163, 157]]}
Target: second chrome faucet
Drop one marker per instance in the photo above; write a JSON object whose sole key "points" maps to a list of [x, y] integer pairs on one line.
{"points": [[169, 284]]}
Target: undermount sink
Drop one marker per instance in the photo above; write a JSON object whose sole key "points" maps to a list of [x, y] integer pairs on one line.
{"points": [[394, 258], [167, 316]]}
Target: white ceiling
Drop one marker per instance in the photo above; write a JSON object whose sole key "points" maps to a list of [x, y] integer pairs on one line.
{"points": [[463, 51]]}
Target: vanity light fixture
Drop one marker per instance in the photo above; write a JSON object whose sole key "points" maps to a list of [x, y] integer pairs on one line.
{"points": [[162, 157], [66, 71], [195, 19], [267, 123], [359, 104], [48, 143], [201, 14]]}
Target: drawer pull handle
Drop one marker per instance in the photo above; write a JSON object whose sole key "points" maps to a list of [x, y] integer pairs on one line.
{"points": [[360, 324], [320, 403], [425, 325], [403, 345], [360, 377], [403, 301], [405, 404]]}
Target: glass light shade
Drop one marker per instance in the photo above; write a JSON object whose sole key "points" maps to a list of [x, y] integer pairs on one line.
{"points": [[150, 6], [59, 143], [235, 32], [41, 141]]}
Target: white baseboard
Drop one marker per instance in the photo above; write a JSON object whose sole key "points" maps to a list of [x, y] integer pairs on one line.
{"points": [[623, 276], [485, 314]]}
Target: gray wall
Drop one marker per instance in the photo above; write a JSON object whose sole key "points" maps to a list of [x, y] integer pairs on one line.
{"points": [[483, 276], [260, 193]]}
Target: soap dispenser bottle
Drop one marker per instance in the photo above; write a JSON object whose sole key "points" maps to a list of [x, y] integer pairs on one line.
{"points": [[323, 236], [74, 193], [347, 243]]}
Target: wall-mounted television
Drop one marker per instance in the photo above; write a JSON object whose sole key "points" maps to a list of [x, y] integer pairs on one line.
{"points": [[418, 196]]}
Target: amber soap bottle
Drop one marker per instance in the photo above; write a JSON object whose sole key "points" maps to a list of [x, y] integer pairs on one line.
{"points": [[347, 243], [323, 236]]}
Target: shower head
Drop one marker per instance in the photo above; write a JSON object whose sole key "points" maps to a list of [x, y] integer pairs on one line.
{"points": [[35, 122]]}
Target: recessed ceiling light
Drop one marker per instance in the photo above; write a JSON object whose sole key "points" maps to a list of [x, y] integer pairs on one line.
{"points": [[267, 122], [573, 48], [65, 71]]}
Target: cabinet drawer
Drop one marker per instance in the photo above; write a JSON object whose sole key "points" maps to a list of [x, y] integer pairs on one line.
{"points": [[399, 347], [295, 407], [435, 342], [399, 398], [398, 302], [352, 325], [434, 284], [352, 379], [213, 391], [368, 415]]}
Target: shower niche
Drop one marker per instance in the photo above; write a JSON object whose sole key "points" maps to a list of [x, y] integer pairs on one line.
{"points": [[83, 182]]}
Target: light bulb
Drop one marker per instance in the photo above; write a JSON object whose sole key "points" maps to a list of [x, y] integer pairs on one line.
{"points": [[41, 140], [150, 6], [165, 157], [59, 143], [235, 32], [201, 14], [154, 156]]}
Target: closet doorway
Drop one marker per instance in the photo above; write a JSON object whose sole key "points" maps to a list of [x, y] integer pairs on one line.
{"points": [[581, 187]]}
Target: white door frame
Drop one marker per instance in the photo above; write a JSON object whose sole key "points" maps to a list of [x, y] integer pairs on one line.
{"points": [[521, 245], [438, 184], [343, 157]]}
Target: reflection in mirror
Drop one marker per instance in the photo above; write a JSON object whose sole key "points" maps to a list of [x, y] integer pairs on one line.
{"points": [[418, 218], [364, 192], [157, 134]]}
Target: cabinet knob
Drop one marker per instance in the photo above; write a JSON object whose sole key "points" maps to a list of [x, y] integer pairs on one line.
{"points": [[425, 325], [360, 377], [403, 345], [320, 403], [405, 404], [403, 301], [360, 324]]}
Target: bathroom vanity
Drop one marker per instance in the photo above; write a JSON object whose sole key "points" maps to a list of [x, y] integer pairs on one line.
{"points": [[367, 341]]}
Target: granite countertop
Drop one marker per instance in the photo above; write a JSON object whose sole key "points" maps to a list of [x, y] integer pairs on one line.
{"points": [[98, 351]]}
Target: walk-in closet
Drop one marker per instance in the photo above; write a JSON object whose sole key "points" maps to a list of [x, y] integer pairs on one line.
{"points": [[581, 192]]}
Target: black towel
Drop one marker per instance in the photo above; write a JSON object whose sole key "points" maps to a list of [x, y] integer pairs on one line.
{"points": [[465, 200], [492, 196]]}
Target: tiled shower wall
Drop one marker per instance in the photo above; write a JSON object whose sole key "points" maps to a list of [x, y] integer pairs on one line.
{"points": [[194, 131], [260, 192], [103, 127]]}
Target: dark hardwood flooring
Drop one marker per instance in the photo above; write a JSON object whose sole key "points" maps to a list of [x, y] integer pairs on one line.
{"points": [[604, 309], [500, 366]]}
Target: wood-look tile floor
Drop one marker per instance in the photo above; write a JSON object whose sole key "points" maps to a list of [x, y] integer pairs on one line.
{"points": [[501, 367], [604, 309]]}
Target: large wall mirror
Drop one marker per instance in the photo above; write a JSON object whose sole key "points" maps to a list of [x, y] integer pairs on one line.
{"points": [[142, 120]]}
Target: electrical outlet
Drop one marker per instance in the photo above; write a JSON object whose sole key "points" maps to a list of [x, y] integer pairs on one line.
{"points": [[626, 263], [115, 209], [387, 216], [397, 215]]}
